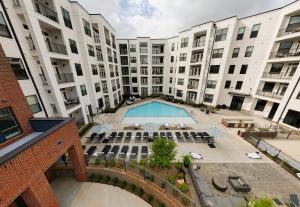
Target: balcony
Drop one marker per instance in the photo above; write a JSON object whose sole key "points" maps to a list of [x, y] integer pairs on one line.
{"points": [[289, 30], [56, 47], [123, 51], [96, 37], [112, 74], [196, 57], [276, 75], [99, 56], [199, 43], [64, 78], [43, 79], [105, 90], [30, 43], [269, 94], [54, 109], [107, 41], [285, 53], [115, 60], [71, 102], [110, 59], [192, 86], [114, 45], [45, 11]]}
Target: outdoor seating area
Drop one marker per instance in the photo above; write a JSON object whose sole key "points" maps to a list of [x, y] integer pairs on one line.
{"points": [[131, 100]]}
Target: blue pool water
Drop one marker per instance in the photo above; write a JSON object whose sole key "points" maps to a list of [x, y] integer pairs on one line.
{"points": [[156, 109]]}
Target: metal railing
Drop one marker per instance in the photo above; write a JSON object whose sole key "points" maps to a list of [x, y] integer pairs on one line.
{"points": [[45, 11], [199, 43], [64, 78], [196, 58], [276, 75], [157, 62], [110, 59], [115, 60], [192, 86], [114, 45], [56, 47], [269, 94], [71, 102], [30, 43], [107, 41], [123, 51], [289, 29], [157, 51], [43, 78], [112, 74], [99, 56], [283, 54], [96, 37]]}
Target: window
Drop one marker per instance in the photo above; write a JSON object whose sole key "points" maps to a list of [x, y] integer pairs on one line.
{"points": [[292, 118], [184, 42], [276, 68], [133, 59], [235, 52], [83, 90], [214, 69], [170, 80], [243, 69], [170, 90], [78, 69], [132, 48], [254, 31], [211, 84], [181, 69], [179, 93], [173, 46], [94, 69], [238, 85], [4, 31], [221, 34], [268, 87], [73, 46], [294, 24], [135, 89], [180, 81], [227, 84], [134, 79], [260, 105], [231, 69], [91, 50], [182, 57], [67, 18], [172, 59], [97, 87], [217, 53], [86, 27], [171, 69], [9, 126], [208, 98], [18, 68], [33, 104], [298, 96], [241, 33], [249, 51]]}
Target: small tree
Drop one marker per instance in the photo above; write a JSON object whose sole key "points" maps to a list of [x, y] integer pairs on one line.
{"points": [[163, 152], [187, 160]]}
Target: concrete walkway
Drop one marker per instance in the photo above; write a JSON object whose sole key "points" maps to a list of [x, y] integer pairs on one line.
{"points": [[71, 193]]}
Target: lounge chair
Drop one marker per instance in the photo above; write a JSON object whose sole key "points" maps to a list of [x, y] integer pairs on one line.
{"points": [[144, 152], [238, 184], [155, 135], [179, 137], [112, 137], [205, 137], [123, 153], [91, 138], [187, 137], [170, 136], [138, 137], [146, 137], [90, 151], [127, 138], [128, 102], [105, 151], [162, 135], [134, 152], [181, 126], [196, 137], [99, 138], [119, 137], [114, 151]]}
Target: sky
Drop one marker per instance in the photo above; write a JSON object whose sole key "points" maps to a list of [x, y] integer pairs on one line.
{"points": [[165, 18]]}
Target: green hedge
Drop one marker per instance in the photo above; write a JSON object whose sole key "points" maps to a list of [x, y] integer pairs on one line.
{"points": [[85, 128]]}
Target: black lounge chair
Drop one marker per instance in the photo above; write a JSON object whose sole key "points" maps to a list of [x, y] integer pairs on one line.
{"points": [[162, 135], [146, 137], [155, 135], [170, 136], [294, 200], [205, 137], [91, 138], [179, 137], [119, 137], [91, 150], [138, 137], [112, 137], [105, 151], [187, 137], [114, 151], [124, 151], [134, 152], [99, 138], [196, 137], [144, 152], [127, 137]]}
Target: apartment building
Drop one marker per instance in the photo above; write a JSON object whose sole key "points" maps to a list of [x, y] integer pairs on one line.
{"points": [[249, 64], [69, 57]]}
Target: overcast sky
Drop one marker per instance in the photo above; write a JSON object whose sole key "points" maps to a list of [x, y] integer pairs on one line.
{"points": [[165, 18]]}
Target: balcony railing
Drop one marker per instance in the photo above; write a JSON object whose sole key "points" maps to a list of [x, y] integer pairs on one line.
{"points": [[289, 29], [199, 43], [192, 86], [157, 51], [56, 47], [96, 37], [45, 11], [43, 78], [114, 45], [110, 59], [115, 60], [30, 43], [16, 3], [276, 75], [54, 108], [269, 94], [99, 56], [283, 54], [71, 102], [196, 58], [123, 51], [65, 78], [105, 90], [107, 41]]}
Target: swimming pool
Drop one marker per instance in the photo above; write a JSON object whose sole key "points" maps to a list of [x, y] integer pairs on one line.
{"points": [[156, 109], [158, 113]]}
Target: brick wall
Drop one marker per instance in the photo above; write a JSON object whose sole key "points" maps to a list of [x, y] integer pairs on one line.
{"points": [[11, 95]]}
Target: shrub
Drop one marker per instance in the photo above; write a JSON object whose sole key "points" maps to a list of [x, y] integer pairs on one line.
{"points": [[163, 185], [172, 179], [97, 161], [186, 202], [92, 177], [180, 175], [133, 188], [141, 192], [163, 152], [133, 163], [107, 179], [151, 178], [261, 202], [115, 181], [85, 128], [99, 178], [142, 163], [150, 198], [112, 163], [184, 187], [123, 184], [187, 160], [179, 165], [142, 170], [162, 205]]}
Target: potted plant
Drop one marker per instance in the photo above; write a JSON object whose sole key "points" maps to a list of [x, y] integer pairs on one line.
{"points": [[187, 160]]}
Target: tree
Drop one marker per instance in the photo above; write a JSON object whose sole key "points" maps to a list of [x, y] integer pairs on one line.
{"points": [[163, 152], [187, 160]]}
